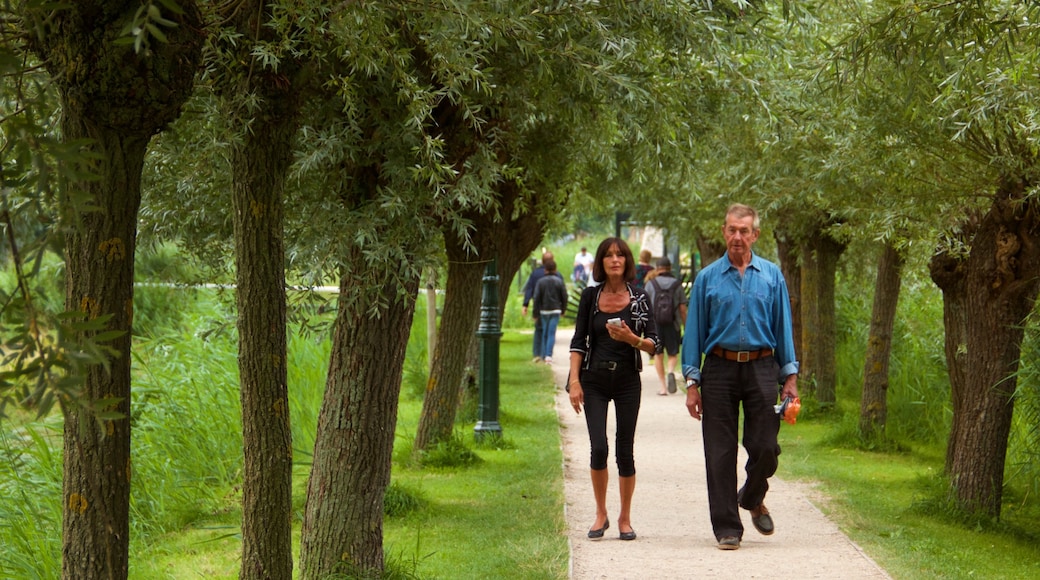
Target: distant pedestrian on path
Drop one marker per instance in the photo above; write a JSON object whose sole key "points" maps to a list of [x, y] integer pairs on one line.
{"points": [[740, 319], [583, 262], [669, 303], [550, 303], [642, 269], [613, 324], [532, 281]]}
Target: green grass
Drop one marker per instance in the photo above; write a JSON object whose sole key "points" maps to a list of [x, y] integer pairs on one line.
{"points": [[509, 507], [890, 504]]}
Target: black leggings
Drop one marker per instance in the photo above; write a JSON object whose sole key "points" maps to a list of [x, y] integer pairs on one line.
{"points": [[624, 388]]}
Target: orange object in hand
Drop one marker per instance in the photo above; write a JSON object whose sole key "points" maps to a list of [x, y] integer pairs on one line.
{"points": [[788, 409], [793, 408]]}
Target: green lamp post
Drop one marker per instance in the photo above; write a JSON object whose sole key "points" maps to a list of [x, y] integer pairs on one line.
{"points": [[489, 332]]}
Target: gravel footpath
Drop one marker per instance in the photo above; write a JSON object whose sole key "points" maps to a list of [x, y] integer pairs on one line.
{"points": [[670, 507]]}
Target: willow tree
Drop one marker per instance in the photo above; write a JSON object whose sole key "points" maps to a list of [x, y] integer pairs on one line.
{"points": [[374, 173], [122, 74], [608, 107], [970, 88]]}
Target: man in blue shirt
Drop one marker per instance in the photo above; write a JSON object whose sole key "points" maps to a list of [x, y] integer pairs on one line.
{"points": [[739, 318]]}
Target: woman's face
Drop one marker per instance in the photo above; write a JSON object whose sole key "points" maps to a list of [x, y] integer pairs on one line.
{"points": [[614, 262]]}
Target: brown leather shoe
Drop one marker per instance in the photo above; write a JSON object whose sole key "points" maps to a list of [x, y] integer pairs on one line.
{"points": [[762, 521], [729, 543]]}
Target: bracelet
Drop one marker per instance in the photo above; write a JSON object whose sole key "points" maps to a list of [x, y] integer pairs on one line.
{"points": [[574, 382]]}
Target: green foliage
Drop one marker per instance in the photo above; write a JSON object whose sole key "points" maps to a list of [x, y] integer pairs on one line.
{"points": [[30, 480], [400, 501], [449, 453], [187, 441]]}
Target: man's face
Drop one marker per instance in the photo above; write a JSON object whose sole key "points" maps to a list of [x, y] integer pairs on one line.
{"points": [[740, 234]]}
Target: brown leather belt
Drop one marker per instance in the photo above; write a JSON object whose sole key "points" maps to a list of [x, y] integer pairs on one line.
{"points": [[741, 355]]}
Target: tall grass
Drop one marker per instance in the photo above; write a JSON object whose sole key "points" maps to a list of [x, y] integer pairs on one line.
{"points": [[918, 395], [30, 512]]}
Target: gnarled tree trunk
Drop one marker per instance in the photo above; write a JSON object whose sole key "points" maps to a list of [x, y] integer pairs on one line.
{"points": [[510, 241], [461, 313], [987, 296]]}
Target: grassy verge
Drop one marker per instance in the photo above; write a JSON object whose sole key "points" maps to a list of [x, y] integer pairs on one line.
{"points": [[507, 506], [887, 503]]}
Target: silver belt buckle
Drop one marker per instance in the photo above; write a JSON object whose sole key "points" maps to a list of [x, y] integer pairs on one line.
{"points": [[743, 356], [611, 365]]}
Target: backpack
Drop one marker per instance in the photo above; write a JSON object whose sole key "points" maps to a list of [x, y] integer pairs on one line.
{"points": [[664, 303]]}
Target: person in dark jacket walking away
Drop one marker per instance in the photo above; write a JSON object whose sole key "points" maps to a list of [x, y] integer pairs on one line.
{"points": [[532, 282], [550, 303]]}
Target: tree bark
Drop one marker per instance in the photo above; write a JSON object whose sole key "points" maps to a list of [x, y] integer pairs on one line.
{"points": [[343, 520], [873, 411], [259, 165], [987, 308], [711, 248], [787, 252], [114, 100], [461, 314], [820, 263], [510, 241]]}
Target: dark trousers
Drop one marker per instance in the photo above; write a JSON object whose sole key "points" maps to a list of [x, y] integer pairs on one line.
{"points": [[725, 386], [623, 387]]}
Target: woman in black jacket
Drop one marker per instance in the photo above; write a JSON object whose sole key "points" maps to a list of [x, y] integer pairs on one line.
{"points": [[614, 323]]}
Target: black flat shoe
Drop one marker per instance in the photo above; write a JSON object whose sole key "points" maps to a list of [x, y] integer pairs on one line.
{"points": [[597, 534], [628, 535]]}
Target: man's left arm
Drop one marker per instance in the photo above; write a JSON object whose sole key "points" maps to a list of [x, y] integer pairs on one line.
{"points": [[785, 353]]}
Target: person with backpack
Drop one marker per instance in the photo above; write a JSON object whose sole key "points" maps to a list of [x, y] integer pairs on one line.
{"points": [[669, 307]]}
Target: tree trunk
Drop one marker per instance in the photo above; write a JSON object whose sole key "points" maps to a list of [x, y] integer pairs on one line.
{"points": [[99, 257], [343, 520], [510, 241], [998, 291], [810, 315], [820, 263], [115, 100], [873, 411], [514, 243], [259, 164], [711, 248], [458, 324], [266, 432], [787, 252]]}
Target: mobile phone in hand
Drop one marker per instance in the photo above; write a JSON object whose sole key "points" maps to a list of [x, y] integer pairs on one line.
{"points": [[614, 322]]}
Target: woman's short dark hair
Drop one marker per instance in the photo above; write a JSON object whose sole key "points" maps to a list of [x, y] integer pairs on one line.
{"points": [[599, 274]]}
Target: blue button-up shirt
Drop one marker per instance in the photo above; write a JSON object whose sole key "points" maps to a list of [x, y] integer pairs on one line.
{"points": [[735, 312]]}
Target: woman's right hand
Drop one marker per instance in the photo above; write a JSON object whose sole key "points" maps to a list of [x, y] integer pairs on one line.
{"points": [[577, 396]]}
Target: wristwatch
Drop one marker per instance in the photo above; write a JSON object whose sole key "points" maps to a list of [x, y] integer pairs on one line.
{"points": [[690, 383]]}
